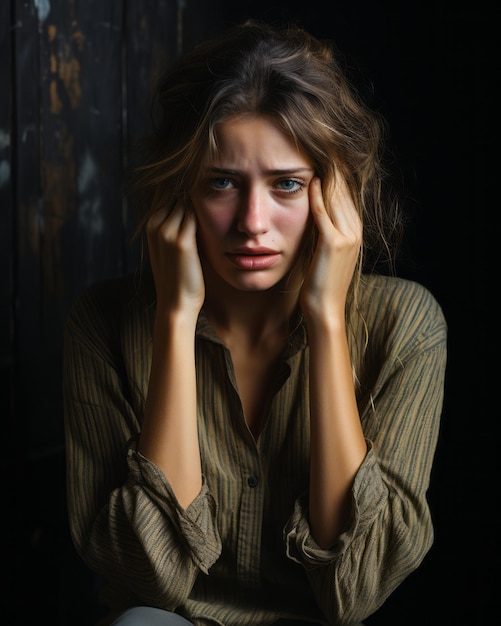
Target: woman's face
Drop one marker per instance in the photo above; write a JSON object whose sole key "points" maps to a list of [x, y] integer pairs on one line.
{"points": [[252, 205]]}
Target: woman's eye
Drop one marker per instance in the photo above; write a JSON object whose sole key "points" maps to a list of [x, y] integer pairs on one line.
{"points": [[290, 185], [220, 183]]}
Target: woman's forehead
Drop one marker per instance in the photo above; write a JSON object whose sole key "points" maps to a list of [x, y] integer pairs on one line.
{"points": [[255, 138]]}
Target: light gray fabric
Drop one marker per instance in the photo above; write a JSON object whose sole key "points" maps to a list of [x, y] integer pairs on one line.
{"points": [[149, 616]]}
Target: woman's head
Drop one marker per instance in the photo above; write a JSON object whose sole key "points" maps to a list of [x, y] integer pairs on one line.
{"points": [[293, 80], [252, 206]]}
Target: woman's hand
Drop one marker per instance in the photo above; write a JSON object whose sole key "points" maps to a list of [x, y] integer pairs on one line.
{"points": [[324, 291], [169, 435], [175, 262]]}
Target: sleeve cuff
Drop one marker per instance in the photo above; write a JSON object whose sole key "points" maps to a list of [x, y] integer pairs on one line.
{"points": [[368, 496], [196, 524]]}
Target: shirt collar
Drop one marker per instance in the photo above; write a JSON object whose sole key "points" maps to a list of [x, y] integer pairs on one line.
{"points": [[298, 338]]}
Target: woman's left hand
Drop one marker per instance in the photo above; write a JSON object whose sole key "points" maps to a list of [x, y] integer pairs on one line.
{"points": [[327, 280]]}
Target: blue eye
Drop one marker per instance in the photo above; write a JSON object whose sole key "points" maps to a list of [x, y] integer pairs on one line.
{"points": [[220, 183], [290, 185]]}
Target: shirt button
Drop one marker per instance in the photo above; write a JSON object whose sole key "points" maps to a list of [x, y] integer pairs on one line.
{"points": [[252, 481]]}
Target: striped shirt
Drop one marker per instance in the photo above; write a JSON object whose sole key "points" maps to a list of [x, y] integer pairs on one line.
{"points": [[242, 553]]}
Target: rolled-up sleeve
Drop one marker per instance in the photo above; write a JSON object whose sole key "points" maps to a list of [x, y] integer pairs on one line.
{"points": [[125, 521], [390, 529]]}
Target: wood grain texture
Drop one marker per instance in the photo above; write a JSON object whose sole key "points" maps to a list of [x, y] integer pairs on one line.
{"points": [[79, 76], [6, 220]]}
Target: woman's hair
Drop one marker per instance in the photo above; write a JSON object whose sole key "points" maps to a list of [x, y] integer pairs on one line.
{"points": [[297, 82]]}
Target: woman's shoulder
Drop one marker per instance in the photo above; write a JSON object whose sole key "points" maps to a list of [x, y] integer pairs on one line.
{"points": [[396, 288], [105, 306], [401, 306]]}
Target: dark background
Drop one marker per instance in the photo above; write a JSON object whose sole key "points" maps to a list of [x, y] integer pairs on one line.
{"points": [[74, 84]]}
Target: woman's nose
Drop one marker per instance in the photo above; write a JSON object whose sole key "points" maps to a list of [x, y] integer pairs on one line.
{"points": [[253, 216]]}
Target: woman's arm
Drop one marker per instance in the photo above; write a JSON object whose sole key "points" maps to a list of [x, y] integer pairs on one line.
{"points": [[390, 528], [169, 435], [120, 501], [338, 445], [125, 520]]}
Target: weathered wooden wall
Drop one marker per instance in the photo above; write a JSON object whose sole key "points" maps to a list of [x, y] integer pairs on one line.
{"points": [[77, 84], [6, 219], [75, 79]]}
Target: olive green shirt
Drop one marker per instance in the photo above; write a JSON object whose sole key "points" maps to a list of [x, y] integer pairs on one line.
{"points": [[242, 553]]}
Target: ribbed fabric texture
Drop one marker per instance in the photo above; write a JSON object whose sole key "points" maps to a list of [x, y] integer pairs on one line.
{"points": [[242, 552]]}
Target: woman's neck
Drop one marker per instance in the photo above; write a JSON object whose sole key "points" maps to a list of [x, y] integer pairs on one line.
{"points": [[252, 317]]}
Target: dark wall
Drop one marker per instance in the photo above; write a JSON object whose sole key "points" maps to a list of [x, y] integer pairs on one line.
{"points": [[428, 67], [75, 83], [75, 79]]}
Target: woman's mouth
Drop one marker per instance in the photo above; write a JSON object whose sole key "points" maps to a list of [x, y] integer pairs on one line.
{"points": [[254, 258]]}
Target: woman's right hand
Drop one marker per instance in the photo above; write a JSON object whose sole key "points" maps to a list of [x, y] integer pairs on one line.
{"points": [[175, 263], [169, 434]]}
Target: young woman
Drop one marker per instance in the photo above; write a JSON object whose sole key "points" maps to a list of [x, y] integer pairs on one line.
{"points": [[251, 422]]}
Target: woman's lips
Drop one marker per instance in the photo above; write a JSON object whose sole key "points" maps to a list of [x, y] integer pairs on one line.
{"points": [[254, 259]]}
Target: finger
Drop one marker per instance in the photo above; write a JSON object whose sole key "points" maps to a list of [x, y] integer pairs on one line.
{"points": [[188, 227], [156, 218], [344, 212], [188, 211], [317, 205], [165, 222]]}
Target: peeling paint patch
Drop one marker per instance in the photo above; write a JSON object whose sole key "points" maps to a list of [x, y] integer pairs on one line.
{"points": [[4, 173], [87, 173], [90, 204], [90, 217], [79, 38], [4, 139], [69, 73], [43, 9], [29, 128], [55, 102], [52, 31]]}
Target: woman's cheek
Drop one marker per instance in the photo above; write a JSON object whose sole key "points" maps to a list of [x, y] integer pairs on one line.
{"points": [[295, 222], [215, 224]]}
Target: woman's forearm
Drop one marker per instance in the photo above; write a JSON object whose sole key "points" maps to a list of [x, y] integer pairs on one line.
{"points": [[169, 436], [338, 445]]}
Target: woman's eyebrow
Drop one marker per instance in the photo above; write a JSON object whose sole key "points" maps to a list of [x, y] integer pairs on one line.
{"points": [[273, 172]]}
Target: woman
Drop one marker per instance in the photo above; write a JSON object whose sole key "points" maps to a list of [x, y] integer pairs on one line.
{"points": [[251, 423]]}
